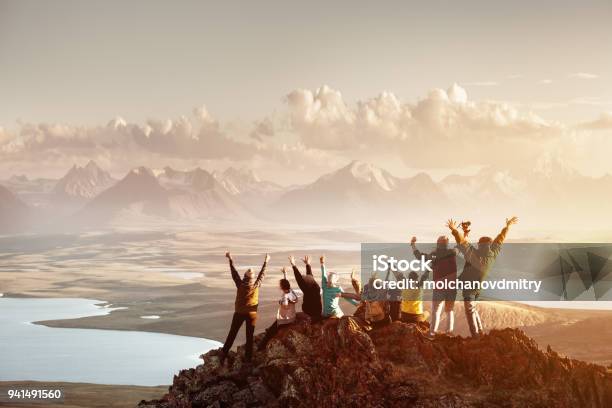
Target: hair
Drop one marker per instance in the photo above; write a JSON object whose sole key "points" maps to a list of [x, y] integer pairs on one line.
{"points": [[247, 273], [442, 241], [332, 279], [284, 284], [485, 240]]}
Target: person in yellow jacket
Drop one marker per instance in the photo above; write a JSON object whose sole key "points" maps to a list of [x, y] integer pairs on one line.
{"points": [[245, 306], [412, 299]]}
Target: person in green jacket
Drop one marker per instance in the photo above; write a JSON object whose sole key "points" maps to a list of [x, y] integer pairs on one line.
{"points": [[332, 292], [479, 262]]}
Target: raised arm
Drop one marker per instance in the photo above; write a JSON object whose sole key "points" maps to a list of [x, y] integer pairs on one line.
{"points": [[415, 251], [296, 272], [306, 261], [235, 274], [469, 252], [323, 271], [262, 272], [499, 239]]}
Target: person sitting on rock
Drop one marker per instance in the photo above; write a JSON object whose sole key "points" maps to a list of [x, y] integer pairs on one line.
{"points": [[373, 306], [332, 293], [286, 310], [479, 262], [412, 299], [311, 304], [245, 306], [444, 266]]}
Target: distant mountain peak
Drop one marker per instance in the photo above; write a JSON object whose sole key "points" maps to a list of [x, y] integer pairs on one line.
{"points": [[83, 182], [368, 173], [142, 171]]}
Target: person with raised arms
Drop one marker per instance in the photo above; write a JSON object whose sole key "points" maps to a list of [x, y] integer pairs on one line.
{"points": [[444, 268], [245, 306], [479, 262], [311, 305], [332, 292]]}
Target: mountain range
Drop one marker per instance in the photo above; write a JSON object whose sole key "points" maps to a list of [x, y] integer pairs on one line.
{"points": [[358, 192]]}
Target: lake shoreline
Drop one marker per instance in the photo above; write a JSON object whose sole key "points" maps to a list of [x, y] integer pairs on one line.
{"points": [[97, 356]]}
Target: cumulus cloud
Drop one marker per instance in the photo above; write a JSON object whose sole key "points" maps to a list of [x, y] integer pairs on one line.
{"points": [[181, 137], [262, 129], [317, 132], [435, 129]]}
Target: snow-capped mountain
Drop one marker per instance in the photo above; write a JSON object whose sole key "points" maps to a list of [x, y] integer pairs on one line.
{"points": [[245, 182], [83, 183], [172, 194], [197, 193], [139, 191], [358, 191]]}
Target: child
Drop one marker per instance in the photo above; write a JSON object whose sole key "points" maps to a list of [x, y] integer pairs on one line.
{"points": [[286, 310]]}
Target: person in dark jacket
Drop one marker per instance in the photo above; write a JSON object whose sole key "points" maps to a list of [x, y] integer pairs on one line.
{"points": [[479, 262], [245, 306], [311, 304], [444, 266]]}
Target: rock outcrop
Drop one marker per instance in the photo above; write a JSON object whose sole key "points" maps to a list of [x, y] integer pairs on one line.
{"points": [[343, 362]]}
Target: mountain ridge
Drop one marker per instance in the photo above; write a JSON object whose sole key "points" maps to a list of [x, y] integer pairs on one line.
{"points": [[344, 362]]}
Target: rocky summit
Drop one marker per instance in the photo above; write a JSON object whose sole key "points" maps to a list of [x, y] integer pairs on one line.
{"points": [[345, 363]]}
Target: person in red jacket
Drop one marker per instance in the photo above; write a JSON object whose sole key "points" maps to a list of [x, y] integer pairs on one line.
{"points": [[444, 265]]}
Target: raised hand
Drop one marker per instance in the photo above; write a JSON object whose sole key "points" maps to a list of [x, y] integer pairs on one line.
{"points": [[306, 260], [322, 259], [284, 270], [267, 258], [292, 260], [228, 255], [511, 221], [451, 224], [353, 274], [413, 240]]}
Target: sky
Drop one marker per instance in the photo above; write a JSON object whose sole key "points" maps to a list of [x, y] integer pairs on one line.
{"points": [[303, 87]]}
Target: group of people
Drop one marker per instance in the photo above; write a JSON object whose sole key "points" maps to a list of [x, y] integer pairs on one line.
{"points": [[374, 306]]}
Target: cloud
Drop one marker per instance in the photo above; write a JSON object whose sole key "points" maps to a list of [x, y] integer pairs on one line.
{"points": [[604, 122], [121, 143], [441, 126], [262, 129], [583, 75], [318, 131]]}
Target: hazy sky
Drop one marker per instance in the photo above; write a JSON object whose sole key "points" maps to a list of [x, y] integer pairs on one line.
{"points": [[82, 63]]}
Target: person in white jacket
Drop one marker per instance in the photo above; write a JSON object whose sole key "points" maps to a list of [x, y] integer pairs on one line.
{"points": [[285, 314]]}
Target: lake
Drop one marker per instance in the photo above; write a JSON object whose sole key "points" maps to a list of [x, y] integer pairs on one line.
{"points": [[35, 352]]}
